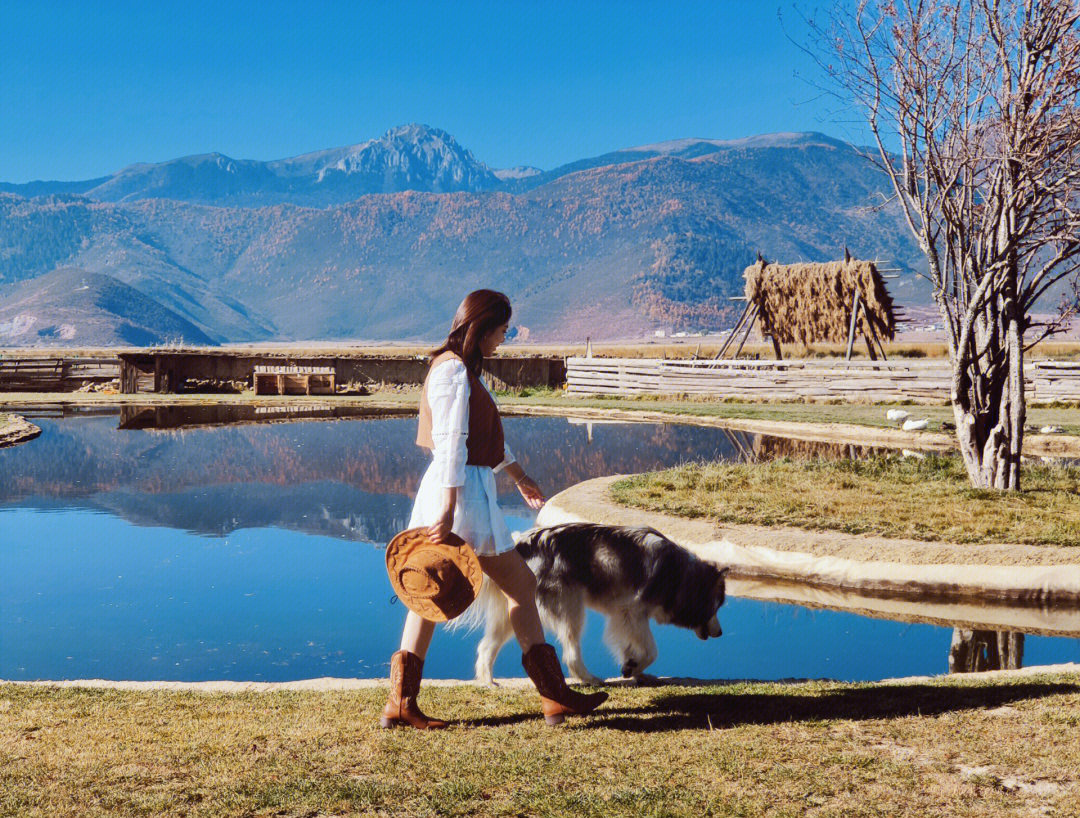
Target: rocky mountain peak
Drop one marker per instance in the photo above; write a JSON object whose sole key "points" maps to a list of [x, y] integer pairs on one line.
{"points": [[414, 157]]}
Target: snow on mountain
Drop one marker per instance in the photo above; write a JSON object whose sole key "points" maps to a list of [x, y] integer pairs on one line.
{"points": [[519, 172]]}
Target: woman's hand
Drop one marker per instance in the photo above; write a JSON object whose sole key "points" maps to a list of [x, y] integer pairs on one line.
{"points": [[534, 498], [439, 531]]}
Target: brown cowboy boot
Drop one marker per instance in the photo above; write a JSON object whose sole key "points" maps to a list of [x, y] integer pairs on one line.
{"points": [[557, 699], [406, 670]]}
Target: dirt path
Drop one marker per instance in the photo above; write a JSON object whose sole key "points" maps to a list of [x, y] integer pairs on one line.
{"points": [[834, 559], [1035, 445]]}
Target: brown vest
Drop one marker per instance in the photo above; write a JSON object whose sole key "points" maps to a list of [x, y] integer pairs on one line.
{"points": [[485, 441]]}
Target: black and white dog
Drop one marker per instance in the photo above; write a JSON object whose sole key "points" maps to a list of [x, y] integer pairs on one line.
{"points": [[629, 574]]}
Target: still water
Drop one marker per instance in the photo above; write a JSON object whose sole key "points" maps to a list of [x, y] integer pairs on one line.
{"points": [[169, 544]]}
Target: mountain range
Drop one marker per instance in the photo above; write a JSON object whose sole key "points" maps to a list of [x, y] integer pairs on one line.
{"points": [[380, 240]]}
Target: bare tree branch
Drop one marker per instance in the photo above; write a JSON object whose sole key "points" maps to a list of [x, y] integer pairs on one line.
{"points": [[982, 98]]}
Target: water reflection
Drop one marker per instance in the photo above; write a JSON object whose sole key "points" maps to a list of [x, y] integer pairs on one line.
{"points": [[975, 650], [191, 469], [187, 417], [214, 542], [985, 635]]}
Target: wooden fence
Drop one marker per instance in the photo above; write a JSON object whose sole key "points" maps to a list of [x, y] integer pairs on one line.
{"points": [[34, 374], [816, 378]]}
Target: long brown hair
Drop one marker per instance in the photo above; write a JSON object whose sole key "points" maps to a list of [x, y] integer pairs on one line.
{"points": [[480, 312]]}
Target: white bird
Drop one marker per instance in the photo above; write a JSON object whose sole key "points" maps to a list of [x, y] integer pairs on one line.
{"points": [[1051, 430], [916, 425], [912, 453], [897, 415]]}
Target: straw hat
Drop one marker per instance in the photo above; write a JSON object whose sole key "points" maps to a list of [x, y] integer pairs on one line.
{"points": [[436, 580]]}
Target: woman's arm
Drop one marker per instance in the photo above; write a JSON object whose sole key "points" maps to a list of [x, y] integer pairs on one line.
{"points": [[534, 498], [448, 396]]}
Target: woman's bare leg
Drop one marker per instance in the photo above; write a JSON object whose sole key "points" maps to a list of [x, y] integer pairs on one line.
{"points": [[511, 573], [416, 635]]}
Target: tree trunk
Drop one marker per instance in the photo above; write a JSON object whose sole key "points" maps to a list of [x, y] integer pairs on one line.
{"points": [[990, 411], [1017, 400]]}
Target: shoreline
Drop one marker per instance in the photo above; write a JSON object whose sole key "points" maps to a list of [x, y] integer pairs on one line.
{"points": [[1038, 445], [1035, 445], [331, 684]]}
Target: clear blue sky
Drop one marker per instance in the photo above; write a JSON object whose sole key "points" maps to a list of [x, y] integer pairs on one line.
{"points": [[88, 87]]}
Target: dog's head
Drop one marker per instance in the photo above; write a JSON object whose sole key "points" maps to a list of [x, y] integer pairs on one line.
{"points": [[711, 626]]}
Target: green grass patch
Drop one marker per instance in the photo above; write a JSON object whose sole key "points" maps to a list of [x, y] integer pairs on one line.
{"points": [[893, 496], [736, 749]]}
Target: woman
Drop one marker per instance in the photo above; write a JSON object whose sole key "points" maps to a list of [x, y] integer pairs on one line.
{"points": [[459, 423]]}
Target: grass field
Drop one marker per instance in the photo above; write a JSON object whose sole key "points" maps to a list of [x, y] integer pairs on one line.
{"points": [[892, 496], [979, 748]]}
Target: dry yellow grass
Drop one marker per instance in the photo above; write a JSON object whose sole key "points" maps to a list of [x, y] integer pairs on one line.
{"points": [[959, 748], [704, 347]]}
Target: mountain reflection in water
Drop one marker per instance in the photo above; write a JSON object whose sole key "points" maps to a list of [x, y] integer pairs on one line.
{"points": [[207, 473], [276, 586]]}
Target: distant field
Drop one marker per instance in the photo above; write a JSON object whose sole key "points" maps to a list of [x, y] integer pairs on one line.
{"points": [[708, 347], [702, 347]]}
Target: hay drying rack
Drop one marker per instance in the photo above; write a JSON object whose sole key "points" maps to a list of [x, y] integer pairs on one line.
{"points": [[749, 316]]}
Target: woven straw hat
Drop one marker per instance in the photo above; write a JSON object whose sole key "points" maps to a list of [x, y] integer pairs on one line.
{"points": [[436, 580]]}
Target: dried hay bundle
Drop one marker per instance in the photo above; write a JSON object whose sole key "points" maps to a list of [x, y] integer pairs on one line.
{"points": [[808, 303]]}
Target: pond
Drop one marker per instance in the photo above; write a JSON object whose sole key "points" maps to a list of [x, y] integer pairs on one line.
{"points": [[211, 543]]}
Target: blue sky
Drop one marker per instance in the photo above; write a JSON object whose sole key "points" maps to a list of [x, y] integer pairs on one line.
{"points": [[88, 87]]}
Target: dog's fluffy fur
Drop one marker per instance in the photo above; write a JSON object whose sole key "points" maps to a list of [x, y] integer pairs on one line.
{"points": [[628, 574]]}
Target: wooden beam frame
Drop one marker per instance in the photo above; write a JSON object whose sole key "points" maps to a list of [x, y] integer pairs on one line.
{"points": [[749, 326], [855, 304], [734, 332]]}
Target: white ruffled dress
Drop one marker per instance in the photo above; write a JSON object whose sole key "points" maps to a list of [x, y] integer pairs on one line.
{"points": [[477, 517]]}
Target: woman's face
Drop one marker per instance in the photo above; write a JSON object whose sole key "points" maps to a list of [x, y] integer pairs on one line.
{"points": [[490, 342]]}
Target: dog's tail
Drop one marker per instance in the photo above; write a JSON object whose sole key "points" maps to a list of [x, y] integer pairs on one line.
{"points": [[489, 604]]}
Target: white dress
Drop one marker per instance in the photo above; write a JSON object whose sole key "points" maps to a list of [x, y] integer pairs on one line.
{"points": [[477, 517]]}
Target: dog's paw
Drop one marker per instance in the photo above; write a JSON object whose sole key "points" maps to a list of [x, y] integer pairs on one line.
{"points": [[586, 679], [485, 680]]}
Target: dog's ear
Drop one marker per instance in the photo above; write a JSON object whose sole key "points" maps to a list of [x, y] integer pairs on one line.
{"points": [[720, 588]]}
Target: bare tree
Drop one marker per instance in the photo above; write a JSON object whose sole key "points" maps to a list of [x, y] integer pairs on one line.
{"points": [[974, 108]]}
